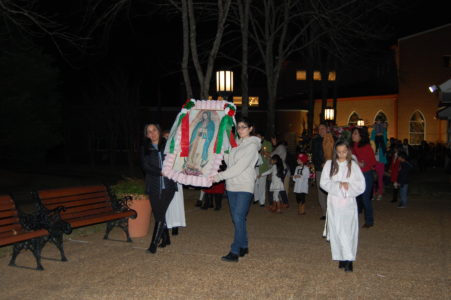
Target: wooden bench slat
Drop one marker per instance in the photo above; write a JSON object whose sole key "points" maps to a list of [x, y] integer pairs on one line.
{"points": [[62, 192], [5, 199], [93, 212], [21, 236], [7, 203], [11, 220], [69, 205], [11, 227], [8, 213], [82, 209], [68, 199], [100, 219]]}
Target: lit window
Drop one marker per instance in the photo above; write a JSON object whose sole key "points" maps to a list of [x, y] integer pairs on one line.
{"points": [[332, 76], [381, 116], [353, 119], [253, 101], [416, 128], [317, 75], [301, 75]]}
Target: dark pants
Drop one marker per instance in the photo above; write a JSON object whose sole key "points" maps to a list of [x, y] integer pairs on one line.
{"points": [[160, 204], [364, 201], [270, 197], [300, 198], [284, 196]]}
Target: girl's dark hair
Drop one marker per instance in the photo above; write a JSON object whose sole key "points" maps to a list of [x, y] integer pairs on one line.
{"points": [[279, 165], [334, 163], [148, 142], [364, 136], [248, 123]]}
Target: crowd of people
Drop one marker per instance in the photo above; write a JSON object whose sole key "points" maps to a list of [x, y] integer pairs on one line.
{"points": [[349, 173]]}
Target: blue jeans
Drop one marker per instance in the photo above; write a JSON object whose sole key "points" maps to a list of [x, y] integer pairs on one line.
{"points": [[239, 203], [364, 200], [403, 194]]}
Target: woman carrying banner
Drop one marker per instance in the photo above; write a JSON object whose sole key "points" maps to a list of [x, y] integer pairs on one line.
{"points": [[159, 188], [240, 180]]}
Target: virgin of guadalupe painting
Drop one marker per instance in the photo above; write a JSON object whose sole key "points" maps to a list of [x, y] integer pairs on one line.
{"points": [[201, 133], [201, 138]]}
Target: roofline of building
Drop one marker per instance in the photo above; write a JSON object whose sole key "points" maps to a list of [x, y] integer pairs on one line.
{"points": [[362, 98], [423, 32]]}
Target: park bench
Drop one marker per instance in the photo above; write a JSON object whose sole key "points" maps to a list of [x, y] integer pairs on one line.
{"points": [[83, 206], [20, 230]]}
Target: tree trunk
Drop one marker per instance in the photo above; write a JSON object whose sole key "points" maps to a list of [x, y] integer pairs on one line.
{"points": [[244, 22]]}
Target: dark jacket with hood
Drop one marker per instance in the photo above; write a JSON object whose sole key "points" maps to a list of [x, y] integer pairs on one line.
{"points": [[150, 163]]}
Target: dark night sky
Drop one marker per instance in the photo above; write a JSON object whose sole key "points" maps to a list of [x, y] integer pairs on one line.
{"points": [[149, 47]]}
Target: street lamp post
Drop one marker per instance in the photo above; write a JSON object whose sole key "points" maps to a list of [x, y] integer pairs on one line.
{"points": [[360, 123], [224, 84]]}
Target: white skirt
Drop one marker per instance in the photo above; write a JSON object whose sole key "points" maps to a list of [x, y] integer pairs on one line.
{"points": [[175, 215]]}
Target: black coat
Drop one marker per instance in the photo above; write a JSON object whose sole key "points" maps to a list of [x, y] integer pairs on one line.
{"points": [[151, 166], [317, 153]]}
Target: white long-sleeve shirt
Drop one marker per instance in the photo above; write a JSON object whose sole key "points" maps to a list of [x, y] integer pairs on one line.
{"points": [[301, 183]]}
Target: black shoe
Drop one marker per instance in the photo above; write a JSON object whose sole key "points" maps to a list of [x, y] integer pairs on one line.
{"points": [[341, 264], [175, 230], [262, 205], [165, 240], [230, 257], [393, 201], [348, 266], [323, 218], [156, 236], [367, 225], [244, 251], [198, 203]]}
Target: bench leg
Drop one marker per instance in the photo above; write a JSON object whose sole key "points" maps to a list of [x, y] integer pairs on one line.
{"points": [[16, 250], [109, 227], [36, 248], [57, 240], [123, 224], [35, 245]]}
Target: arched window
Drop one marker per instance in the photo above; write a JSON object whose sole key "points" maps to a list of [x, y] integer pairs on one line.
{"points": [[382, 116], [353, 118], [416, 128]]}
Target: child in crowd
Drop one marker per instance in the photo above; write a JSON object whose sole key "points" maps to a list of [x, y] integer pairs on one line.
{"points": [[301, 179], [380, 134], [278, 173], [394, 171], [343, 180], [403, 178], [215, 192]]}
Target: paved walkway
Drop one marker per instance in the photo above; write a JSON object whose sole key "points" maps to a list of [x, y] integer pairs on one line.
{"points": [[405, 256]]}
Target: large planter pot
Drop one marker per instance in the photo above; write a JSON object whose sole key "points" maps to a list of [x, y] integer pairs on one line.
{"points": [[139, 227]]}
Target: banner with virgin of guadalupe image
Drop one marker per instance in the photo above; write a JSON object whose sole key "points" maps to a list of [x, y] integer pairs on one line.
{"points": [[202, 132]]}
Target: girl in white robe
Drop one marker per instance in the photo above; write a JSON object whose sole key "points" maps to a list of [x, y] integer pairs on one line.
{"points": [[344, 181]]}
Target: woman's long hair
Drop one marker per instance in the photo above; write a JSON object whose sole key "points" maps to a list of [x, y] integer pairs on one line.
{"points": [[148, 143], [334, 164], [279, 165], [364, 136]]}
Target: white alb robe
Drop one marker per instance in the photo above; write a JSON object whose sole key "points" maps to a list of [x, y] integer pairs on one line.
{"points": [[175, 215], [342, 218]]}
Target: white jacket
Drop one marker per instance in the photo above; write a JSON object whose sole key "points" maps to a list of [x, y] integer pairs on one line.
{"points": [[301, 183], [276, 181], [240, 173]]}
